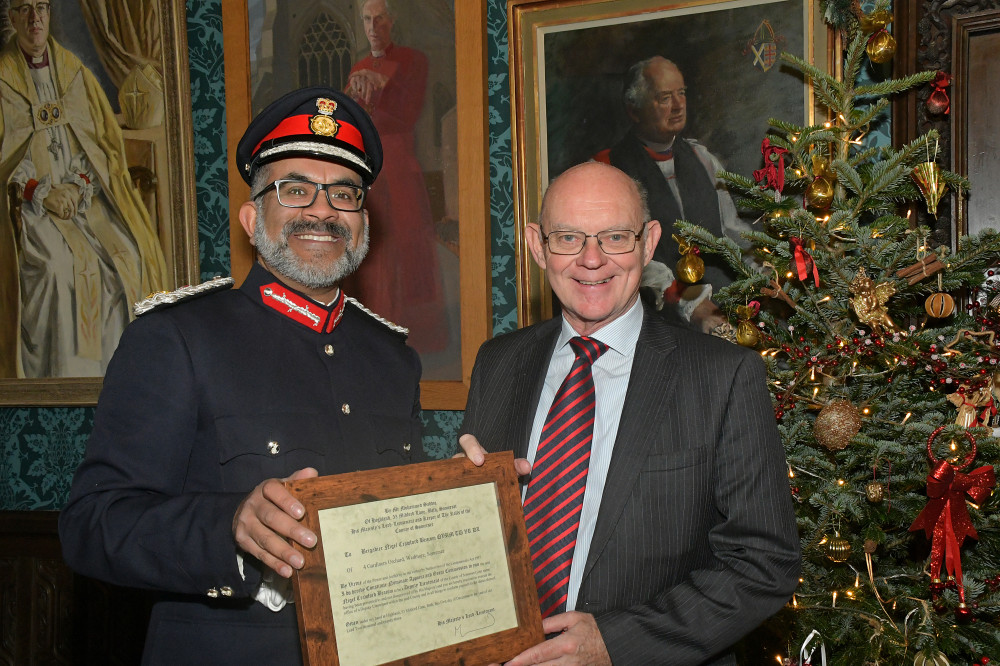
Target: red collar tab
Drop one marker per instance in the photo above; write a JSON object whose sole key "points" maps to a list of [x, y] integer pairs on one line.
{"points": [[304, 311]]}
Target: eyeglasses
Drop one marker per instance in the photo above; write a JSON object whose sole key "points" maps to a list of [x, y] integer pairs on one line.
{"points": [[612, 241], [41, 8], [295, 193]]}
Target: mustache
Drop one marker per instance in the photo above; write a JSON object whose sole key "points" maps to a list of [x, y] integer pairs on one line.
{"points": [[300, 225]]}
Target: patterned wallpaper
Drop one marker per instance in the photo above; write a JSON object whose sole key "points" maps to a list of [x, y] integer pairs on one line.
{"points": [[40, 448]]}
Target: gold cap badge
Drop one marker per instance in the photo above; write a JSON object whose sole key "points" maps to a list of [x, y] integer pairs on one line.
{"points": [[323, 124]]}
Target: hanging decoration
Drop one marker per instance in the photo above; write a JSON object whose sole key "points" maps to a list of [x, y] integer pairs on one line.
{"points": [[838, 549], [939, 305], [931, 183], [869, 301], [836, 424], [938, 102], [968, 402], [876, 491], [945, 520], [881, 45], [773, 173], [803, 261], [746, 333], [819, 193], [924, 268], [930, 180], [690, 267]]}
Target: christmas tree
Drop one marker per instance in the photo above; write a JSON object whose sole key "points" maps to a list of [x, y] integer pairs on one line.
{"points": [[885, 392]]}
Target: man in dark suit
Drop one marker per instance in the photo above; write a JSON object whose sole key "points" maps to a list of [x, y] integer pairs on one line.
{"points": [[686, 538], [209, 403]]}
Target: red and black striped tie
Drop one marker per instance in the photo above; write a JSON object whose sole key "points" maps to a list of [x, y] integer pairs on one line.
{"points": [[554, 499]]}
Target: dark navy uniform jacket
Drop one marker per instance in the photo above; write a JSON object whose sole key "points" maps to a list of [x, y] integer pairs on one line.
{"points": [[202, 401]]}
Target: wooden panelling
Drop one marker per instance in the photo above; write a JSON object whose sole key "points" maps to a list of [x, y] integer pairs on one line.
{"points": [[48, 614]]}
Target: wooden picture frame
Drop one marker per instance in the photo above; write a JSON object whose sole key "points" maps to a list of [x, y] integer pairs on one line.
{"points": [[622, 32], [409, 567], [975, 148], [162, 163], [473, 180]]}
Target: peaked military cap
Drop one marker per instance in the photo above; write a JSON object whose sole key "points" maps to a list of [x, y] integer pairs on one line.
{"points": [[318, 122]]}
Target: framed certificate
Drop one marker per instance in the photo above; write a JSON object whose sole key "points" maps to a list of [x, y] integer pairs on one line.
{"points": [[425, 563]]}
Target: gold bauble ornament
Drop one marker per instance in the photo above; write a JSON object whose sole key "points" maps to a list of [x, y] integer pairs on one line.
{"points": [[819, 194], [928, 178], [691, 268], [934, 658], [939, 305], [881, 47], [875, 492], [836, 424], [746, 334], [838, 549]]}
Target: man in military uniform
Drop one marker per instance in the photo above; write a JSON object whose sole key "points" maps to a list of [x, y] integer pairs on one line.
{"points": [[216, 396]]}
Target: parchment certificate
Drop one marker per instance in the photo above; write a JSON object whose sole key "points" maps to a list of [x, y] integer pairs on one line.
{"points": [[416, 573]]}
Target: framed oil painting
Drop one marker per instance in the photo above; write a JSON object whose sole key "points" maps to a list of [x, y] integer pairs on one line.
{"points": [[427, 266], [99, 206], [569, 63]]}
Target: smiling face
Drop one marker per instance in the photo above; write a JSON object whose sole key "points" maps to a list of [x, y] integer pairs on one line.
{"points": [[312, 249], [662, 111], [378, 24], [594, 288], [30, 19]]}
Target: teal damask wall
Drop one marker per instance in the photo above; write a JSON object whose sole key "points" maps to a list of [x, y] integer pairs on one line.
{"points": [[42, 447]]}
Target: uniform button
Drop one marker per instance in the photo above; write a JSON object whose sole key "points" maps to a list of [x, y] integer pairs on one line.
{"points": [[406, 446], [212, 592], [273, 447], [345, 408], [328, 350], [226, 591]]}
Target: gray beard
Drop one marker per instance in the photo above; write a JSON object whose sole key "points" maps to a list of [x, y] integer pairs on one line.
{"points": [[283, 261]]}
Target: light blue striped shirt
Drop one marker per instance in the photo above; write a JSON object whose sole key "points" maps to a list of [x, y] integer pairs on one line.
{"points": [[611, 375]]}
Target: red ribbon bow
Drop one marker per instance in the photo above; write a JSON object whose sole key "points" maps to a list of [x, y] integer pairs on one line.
{"points": [[803, 261], [945, 520], [774, 166]]}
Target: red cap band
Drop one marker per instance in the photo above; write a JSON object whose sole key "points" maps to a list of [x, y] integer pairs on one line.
{"points": [[299, 125]]}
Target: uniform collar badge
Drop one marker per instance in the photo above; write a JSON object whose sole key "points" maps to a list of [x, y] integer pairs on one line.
{"points": [[308, 313]]}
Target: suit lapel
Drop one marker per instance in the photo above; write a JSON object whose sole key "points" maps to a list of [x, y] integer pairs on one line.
{"points": [[650, 385], [529, 376]]}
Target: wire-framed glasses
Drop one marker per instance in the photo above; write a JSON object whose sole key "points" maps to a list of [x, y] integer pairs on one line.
{"points": [[40, 8], [612, 241], [297, 193]]}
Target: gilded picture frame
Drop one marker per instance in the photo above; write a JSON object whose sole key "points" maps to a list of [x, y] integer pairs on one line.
{"points": [[473, 279], [569, 57], [161, 160]]}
